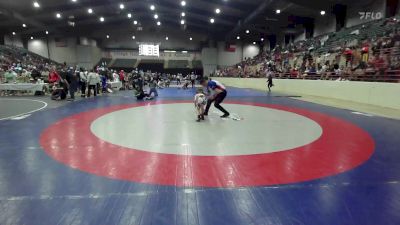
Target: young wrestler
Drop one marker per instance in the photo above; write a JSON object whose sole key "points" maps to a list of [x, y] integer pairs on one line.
{"points": [[200, 102]]}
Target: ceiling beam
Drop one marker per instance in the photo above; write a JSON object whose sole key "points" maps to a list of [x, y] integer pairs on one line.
{"points": [[249, 18]]}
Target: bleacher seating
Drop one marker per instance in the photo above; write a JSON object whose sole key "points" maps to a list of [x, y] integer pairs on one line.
{"points": [[178, 64], [197, 64], [154, 65], [123, 63], [343, 50], [104, 62]]}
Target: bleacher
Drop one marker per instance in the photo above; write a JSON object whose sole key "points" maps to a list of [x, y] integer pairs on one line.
{"points": [[104, 62], [154, 65], [178, 64], [197, 64], [373, 34], [16, 54], [123, 63]]}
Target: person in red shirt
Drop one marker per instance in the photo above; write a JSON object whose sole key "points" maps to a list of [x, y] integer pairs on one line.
{"points": [[294, 73], [122, 78], [349, 56], [53, 76], [380, 65]]}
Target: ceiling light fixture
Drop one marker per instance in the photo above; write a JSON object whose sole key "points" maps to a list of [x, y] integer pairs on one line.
{"points": [[31, 38], [278, 11], [121, 6], [183, 3], [183, 14], [152, 7], [217, 11], [212, 20], [74, 0], [47, 32], [166, 38], [247, 31], [13, 33], [129, 15], [262, 39], [254, 43], [323, 12], [135, 22], [58, 15], [155, 16], [90, 11], [158, 23], [133, 37], [191, 38], [182, 22], [238, 37], [101, 19], [108, 36], [23, 25], [36, 4]]}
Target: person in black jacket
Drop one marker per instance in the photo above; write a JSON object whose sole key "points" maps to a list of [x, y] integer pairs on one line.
{"points": [[35, 74], [72, 80]]}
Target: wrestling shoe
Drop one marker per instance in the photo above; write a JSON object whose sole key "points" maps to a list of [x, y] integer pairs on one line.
{"points": [[225, 115]]}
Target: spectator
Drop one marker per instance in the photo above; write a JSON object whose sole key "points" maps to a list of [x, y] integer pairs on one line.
{"points": [[92, 81], [53, 76], [83, 82]]}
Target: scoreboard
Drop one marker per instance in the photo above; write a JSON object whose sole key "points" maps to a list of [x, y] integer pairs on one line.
{"points": [[149, 50]]}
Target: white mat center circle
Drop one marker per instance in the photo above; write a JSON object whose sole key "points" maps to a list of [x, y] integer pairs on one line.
{"points": [[171, 129]]}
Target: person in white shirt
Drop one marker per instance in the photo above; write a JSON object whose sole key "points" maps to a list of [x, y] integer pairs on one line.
{"points": [[178, 79], [200, 102], [115, 76], [92, 80], [193, 79]]}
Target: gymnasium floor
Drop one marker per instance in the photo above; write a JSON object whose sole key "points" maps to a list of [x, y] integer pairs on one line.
{"points": [[112, 160]]}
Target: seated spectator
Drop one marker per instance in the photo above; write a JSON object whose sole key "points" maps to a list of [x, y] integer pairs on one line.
{"points": [[60, 90], [35, 74], [379, 65], [10, 76], [140, 94]]}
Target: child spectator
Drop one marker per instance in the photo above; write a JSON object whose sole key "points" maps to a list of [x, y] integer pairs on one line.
{"points": [[153, 87]]}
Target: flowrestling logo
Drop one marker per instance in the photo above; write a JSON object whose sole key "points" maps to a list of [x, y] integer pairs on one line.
{"points": [[370, 15]]}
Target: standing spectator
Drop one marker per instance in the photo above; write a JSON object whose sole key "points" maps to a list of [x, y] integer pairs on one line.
{"points": [[365, 52], [72, 80], [192, 79], [122, 78], [92, 82], [153, 87], [98, 82], [270, 75], [83, 81], [178, 79], [348, 53], [53, 76]]}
